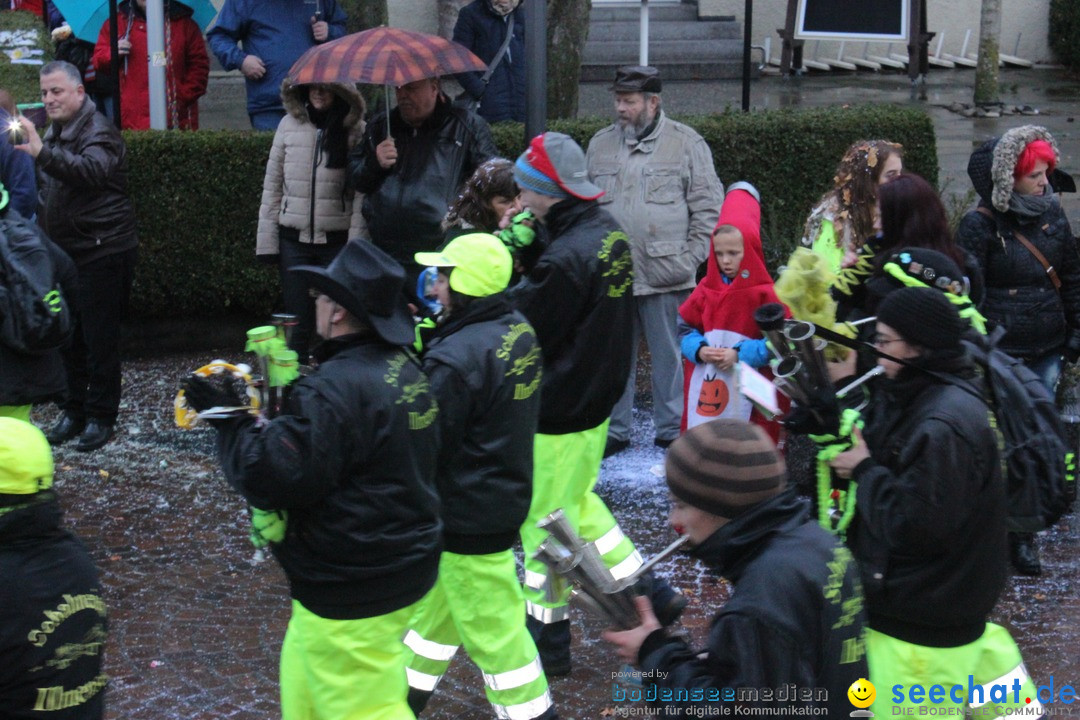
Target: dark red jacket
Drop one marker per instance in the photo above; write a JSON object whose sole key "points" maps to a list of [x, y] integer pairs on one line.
{"points": [[186, 73]]}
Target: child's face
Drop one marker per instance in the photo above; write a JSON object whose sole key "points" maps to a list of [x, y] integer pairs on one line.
{"points": [[728, 247]]}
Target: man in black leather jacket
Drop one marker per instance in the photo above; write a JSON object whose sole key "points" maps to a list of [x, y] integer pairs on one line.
{"points": [[85, 209], [410, 177], [351, 459]]}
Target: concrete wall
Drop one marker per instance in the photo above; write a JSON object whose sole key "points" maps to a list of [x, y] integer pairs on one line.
{"points": [[1026, 18], [421, 15]]}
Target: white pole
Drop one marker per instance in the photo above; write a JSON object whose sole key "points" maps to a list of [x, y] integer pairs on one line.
{"points": [[643, 51], [155, 50]]}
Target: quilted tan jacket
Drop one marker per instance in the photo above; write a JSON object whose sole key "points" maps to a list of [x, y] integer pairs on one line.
{"points": [[296, 177]]}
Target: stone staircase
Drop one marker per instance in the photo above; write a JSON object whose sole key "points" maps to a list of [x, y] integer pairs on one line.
{"points": [[681, 45]]}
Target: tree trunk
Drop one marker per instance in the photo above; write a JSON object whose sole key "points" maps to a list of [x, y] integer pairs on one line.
{"points": [[448, 12], [568, 29], [986, 72], [364, 15]]}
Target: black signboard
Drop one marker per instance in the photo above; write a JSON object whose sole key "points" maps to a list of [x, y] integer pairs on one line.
{"points": [[885, 20]]}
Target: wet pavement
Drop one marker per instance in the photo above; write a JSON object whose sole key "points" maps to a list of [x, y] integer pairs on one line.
{"points": [[197, 619]]}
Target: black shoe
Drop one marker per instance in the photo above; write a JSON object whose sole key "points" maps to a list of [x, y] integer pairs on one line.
{"points": [[615, 446], [96, 434], [553, 645], [1024, 555], [663, 443], [64, 429]]}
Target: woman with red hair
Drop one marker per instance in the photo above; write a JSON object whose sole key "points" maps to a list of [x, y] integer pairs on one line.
{"points": [[1022, 239]]}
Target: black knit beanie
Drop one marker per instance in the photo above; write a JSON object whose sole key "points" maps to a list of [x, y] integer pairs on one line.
{"points": [[923, 317], [724, 467]]}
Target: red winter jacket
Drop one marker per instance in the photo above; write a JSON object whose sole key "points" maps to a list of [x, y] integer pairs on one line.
{"points": [[186, 73]]}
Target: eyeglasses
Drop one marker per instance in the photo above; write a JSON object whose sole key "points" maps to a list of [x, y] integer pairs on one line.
{"points": [[882, 341]]}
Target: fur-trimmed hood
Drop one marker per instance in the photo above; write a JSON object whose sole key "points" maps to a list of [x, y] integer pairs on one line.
{"points": [[991, 166], [290, 98]]}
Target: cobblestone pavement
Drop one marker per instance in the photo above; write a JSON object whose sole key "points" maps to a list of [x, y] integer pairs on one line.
{"points": [[196, 620]]}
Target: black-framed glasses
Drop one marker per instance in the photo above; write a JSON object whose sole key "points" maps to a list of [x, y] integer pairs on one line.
{"points": [[880, 341]]}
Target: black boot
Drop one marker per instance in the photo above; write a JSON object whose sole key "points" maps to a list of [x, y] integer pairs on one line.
{"points": [[552, 643], [418, 700], [1023, 554], [64, 429]]}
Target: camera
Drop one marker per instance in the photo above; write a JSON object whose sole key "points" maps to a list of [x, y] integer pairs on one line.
{"points": [[16, 133]]}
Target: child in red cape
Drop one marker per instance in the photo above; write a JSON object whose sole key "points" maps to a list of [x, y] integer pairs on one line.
{"points": [[716, 323]]}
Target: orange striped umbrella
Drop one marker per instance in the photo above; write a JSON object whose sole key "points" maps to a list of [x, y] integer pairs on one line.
{"points": [[383, 56]]}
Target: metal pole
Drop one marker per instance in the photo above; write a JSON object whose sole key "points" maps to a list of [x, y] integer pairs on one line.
{"points": [[535, 68], [155, 51], [114, 65], [748, 22], [643, 49]]}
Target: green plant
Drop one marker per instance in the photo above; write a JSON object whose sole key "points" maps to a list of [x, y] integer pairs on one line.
{"points": [[18, 79], [197, 194], [1065, 32]]}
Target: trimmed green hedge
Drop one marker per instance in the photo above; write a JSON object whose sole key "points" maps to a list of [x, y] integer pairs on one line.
{"points": [[197, 194]]}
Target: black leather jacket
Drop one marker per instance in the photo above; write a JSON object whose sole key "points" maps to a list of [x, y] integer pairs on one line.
{"points": [[579, 298], [485, 368], [796, 615], [352, 460], [83, 204], [404, 206]]}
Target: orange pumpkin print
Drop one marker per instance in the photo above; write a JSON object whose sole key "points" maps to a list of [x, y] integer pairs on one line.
{"points": [[713, 398]]}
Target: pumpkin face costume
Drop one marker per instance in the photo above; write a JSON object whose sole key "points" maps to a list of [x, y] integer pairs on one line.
{"points": [[722, 310]]}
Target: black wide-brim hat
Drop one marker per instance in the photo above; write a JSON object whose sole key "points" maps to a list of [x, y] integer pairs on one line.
{"points": [[368, 283]]}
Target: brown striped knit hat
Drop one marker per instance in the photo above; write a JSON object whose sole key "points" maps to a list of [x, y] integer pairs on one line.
{"points": [[725, 466]]}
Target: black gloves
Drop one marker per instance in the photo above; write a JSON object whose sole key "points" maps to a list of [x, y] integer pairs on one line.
{"points": [[202, 394]]}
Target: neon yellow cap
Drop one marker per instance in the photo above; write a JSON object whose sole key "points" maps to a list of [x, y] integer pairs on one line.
{"points": [[482, 264], [26, 461]]}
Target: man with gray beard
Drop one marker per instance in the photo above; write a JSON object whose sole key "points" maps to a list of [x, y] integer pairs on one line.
{"points": [[661, 186]]}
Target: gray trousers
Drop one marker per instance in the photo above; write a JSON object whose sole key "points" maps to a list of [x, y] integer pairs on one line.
{"points": [[657, 315]]}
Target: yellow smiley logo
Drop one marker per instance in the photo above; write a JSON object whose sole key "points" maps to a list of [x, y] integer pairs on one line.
{"points": [[862, 693]]}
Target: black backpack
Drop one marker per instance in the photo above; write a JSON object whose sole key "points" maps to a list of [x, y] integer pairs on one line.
{"points": [[1034, 448], [34, 316]]}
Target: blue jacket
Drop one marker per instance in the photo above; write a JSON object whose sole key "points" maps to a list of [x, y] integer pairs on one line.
{"points": [[482, 30], [17, 175], [278, 31]]}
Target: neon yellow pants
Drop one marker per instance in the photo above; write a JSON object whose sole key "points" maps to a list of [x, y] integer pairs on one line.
{"points": [[19, 412], [344, 669], [987, 671], [565, 470], [477, 602]]}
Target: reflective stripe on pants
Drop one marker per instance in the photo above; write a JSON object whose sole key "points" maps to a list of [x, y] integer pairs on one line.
{"points": [[477, 602], [565, 470]]}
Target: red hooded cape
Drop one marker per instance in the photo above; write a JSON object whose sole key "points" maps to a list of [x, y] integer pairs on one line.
{"points": [[717, 305]]}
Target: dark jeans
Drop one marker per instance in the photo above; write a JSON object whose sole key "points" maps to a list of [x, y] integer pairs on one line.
{"points": [[92, 360], [295, 289], [266, 120]]}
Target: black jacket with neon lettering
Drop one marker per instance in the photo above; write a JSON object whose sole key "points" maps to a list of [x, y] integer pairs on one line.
{"points": [[579, 299], [485, 369], [352, 460], [51, 610], [795, 616], [930, 533]]}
